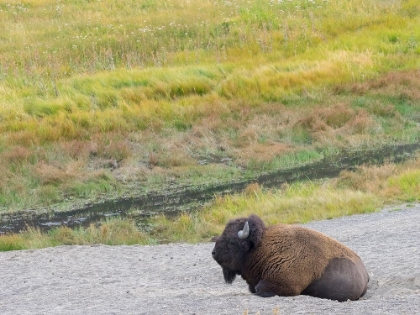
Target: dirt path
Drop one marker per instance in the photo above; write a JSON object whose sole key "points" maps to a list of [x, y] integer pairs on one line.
{"points": [[183, 279]]}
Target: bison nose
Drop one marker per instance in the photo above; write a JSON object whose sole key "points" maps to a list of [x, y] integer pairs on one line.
{"points": [[213, 253]]}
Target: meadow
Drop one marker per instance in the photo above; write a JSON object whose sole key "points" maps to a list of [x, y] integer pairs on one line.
{"points": [[105, 99]]}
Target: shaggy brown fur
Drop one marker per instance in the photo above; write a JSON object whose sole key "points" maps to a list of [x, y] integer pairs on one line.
{"points": [[290, 260]]}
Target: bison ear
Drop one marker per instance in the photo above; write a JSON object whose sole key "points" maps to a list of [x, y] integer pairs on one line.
{"points": [[256, 230]]}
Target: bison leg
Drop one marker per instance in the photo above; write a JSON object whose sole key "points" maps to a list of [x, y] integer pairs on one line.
{"points": [[251, 288], [266, 288], [341, 280]]}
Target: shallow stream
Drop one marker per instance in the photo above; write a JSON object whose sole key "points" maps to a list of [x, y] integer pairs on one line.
{"points": [[180, 199]]}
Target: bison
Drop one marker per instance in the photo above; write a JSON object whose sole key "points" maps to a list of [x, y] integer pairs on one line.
{"points": [[288, 260]]}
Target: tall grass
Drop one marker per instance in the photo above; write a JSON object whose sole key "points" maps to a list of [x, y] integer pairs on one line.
{"points": [[92, 36], [157, 55], [111, 232]]}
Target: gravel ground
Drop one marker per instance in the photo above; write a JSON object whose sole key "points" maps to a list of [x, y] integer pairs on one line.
{"points": [[184, 279]]}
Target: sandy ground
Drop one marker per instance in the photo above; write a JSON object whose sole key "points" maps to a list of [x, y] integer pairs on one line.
{"points": [[184, 279]]}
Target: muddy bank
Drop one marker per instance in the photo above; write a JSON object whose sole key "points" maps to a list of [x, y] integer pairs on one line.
{"points": [[184, 279], [172, 201]]}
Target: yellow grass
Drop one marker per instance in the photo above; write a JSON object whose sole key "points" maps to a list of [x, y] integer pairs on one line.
{"points": [[363, 191], [299, 203]]}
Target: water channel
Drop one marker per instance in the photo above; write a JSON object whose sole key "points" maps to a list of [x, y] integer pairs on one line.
{"points": [[180, 199]]}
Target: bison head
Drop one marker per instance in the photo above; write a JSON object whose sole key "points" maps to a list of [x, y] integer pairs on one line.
{"points": [[239, 238]]}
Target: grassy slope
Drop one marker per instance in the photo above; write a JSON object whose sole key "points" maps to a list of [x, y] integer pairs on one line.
{"points": [[107, 98], [100, 99]]}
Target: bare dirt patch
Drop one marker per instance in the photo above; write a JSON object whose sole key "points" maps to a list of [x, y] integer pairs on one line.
{"points": [[184, 279]]}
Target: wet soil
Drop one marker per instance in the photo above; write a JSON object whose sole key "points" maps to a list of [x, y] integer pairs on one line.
{"points": [[175, 200]]}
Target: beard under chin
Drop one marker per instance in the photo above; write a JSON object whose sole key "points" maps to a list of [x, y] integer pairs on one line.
{"points": [[229, 275]]}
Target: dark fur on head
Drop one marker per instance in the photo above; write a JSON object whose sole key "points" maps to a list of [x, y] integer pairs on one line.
{"points": [[230, 251]]}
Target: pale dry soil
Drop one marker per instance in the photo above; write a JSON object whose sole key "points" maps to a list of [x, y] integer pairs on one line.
{"points": [[184, 279]]}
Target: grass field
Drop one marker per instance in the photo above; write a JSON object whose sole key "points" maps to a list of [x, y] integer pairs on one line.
{"points": [[103, 99]]}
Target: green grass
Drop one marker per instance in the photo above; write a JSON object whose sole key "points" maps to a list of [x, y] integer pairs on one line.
{"points": [[109, 99], [111, 232]]}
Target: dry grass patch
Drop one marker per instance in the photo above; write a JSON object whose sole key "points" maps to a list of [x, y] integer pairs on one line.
{"points": [[261, 152], [49, 174], [389, 182], [382, 109], [404, 84], [367, 178], [15, 155], [336, 123], [78, 149]]}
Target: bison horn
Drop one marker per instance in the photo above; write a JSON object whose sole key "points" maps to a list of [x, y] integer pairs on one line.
{"points": [[243, 234]]}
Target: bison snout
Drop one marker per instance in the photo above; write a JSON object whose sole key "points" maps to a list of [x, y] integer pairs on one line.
{"points": [[215, 256]]}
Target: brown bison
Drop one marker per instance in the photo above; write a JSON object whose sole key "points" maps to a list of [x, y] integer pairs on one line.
{"points": [[289, 260]]}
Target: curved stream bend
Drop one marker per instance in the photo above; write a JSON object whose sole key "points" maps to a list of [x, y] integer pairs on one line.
{"points": [[191, 198]]}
